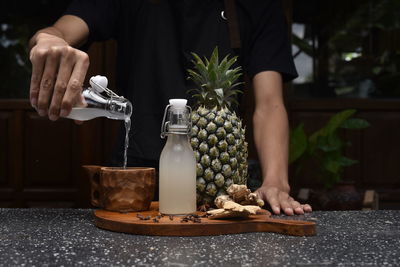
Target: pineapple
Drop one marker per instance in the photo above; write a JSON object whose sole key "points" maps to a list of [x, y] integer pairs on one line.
{"points": [[218, 137]]}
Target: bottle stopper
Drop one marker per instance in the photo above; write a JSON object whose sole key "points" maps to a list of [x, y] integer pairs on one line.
{"points": [[99, 83]]}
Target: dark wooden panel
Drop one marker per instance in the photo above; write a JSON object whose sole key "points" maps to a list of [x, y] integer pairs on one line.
{"points": [[110, 130], [52, 204], [15, 151], [4, 147], [6, 204], [6, 193], [355, 151], [110, 63], [54, 197], [96, 55], [337, 104], [48, 151], [380, 152], [91, 143]]}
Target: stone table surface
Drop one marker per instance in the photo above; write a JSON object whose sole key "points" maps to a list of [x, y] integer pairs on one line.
{"points": [[68, 237]]}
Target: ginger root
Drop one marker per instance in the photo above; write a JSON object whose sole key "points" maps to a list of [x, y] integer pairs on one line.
{"points": [[242, 195], [237, 212], [239, 203]]}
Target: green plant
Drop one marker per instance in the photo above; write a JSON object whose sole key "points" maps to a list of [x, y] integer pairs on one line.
{"points": [[357, 40], [325, 147]]}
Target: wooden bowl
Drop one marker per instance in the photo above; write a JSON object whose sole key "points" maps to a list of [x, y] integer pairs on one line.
{"points": [[121, 189]]}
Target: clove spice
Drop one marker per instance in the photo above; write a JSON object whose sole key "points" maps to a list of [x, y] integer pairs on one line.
{"points": [[191, 217], [141, 217]]}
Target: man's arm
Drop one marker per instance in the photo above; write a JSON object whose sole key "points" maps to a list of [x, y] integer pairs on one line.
{"points": [[271, 136], [58, 69]]}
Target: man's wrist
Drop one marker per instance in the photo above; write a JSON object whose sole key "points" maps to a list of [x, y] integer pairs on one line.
{"points": [[44, 33], [276, 181]]}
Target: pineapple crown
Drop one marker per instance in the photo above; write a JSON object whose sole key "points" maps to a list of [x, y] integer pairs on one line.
{"points": [[215, 80]]}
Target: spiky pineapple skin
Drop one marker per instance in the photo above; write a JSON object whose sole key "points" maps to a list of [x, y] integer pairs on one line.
{"points": [[218, 140]]}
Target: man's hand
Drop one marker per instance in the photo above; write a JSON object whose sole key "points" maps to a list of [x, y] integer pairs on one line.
{"points": [[279, 199], [271, 136], [58, 69], [58, 72]]}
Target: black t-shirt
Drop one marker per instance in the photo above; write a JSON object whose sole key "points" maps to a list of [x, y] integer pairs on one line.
{"points": [[155, 39]]}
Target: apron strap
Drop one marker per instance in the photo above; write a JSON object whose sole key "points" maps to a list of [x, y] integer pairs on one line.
{"points": [[233, 24]]}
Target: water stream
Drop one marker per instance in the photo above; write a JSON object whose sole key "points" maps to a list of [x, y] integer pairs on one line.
{"points": [[127, 129]]}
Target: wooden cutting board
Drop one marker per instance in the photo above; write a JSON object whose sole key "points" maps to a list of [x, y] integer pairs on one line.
{"points": [[131, 223]]}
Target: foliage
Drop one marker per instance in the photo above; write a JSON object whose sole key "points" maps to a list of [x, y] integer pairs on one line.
{"points": [[15, 68], [325, 146], [362, 42], [19, 21], [372, 21], [215, 80]]}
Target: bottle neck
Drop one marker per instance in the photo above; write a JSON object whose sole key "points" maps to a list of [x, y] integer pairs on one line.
{"points": [[178, 138], [117, 108]]}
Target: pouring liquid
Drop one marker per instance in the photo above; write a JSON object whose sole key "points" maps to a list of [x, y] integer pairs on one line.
{"points": [[84, 114], [127, 129]]}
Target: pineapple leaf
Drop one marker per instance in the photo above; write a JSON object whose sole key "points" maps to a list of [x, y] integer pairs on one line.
{"points": [[200, 66], [219, 92], [233, 93], [232, 76], [215, 80], [223, 66], [230, 100], [230, 63], [237, 84], [206, 62], [214, 57], [197, 78], [194, 90], [197, 59]]}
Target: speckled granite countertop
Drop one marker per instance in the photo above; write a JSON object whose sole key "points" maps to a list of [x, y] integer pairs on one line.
{"points": [[55, 237]]}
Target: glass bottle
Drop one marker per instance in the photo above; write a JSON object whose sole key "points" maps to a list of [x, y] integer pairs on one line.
{"points": [[177, 194], [99, 101]]}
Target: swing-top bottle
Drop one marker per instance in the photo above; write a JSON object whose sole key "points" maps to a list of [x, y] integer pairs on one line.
{"points": [[177, 194], [99, 101]]}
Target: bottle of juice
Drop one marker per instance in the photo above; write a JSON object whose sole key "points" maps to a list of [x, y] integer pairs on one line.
{"points": [[177, 194]]}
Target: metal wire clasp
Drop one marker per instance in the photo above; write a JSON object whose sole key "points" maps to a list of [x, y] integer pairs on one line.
{"points": [[165, 124], [108, 91]]}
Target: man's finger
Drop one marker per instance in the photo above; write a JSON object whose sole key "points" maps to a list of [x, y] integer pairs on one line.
{"points": [[74, 87], [64, 74], [37, 58], [272, 198], [307, 208], [296, 206], [47, 82], [285, 205]]}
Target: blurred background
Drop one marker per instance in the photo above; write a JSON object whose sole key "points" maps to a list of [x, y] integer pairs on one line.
{"points": [[344, 110]]}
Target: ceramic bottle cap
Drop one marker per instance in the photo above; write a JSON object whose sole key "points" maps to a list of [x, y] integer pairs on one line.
{"points": [[98, 83], [178, 103]]}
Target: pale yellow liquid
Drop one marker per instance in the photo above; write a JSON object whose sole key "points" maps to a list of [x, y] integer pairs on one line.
{"points": [[84, 114], [177, 193]]}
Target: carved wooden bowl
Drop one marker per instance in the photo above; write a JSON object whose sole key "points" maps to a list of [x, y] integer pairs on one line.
{"points": [[121, 189]]}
